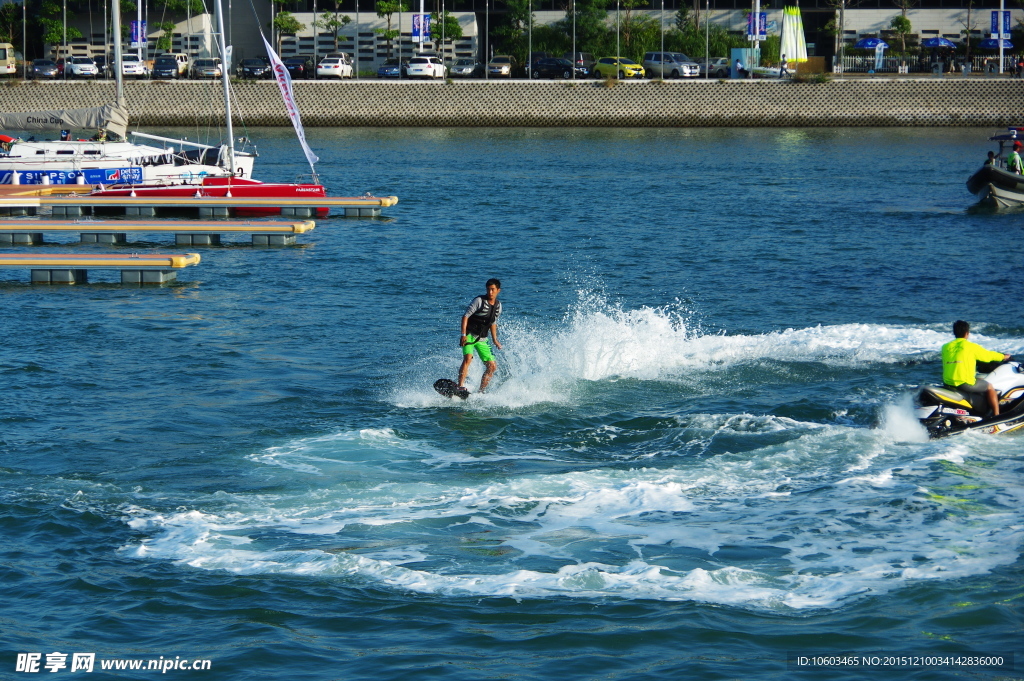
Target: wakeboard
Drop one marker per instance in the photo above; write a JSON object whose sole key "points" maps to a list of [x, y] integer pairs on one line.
{"points": [[450, 388]]}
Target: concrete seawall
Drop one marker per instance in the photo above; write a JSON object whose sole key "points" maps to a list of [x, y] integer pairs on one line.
{"points": [[944, 102]]}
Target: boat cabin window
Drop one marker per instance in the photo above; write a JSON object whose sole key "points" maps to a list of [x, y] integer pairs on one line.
{"points": [[65, 151], [92, 151]]}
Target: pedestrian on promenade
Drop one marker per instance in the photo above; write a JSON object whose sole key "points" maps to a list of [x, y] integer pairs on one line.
{"points": [[783, 68]]}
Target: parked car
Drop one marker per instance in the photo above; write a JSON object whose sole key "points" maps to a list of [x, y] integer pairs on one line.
{"points": [[81, 67], [467, 68], [334, 67], [102, 65], [392, 69], [718, 68], [584, 59], [131, 65], [426, 67], [60, 66], [255, 68], [206, 68], [299, 67], [501, 65], [670, 65], [617, 67], [181, 59], [557, 68], [532, 59], [165, 68], [43, 68]]}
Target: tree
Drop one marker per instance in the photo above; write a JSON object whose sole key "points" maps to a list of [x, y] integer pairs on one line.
{"points": [[385, 8], [164, 42], [591, 21], [10, 25], [691, 40], [330, 21], [444, 29], [630, 24], [684, 18], [969, 26], [511, 31], [901, 27], [285, 22], [904, 5]]}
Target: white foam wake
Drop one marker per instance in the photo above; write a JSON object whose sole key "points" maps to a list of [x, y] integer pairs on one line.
{"points": [[835, 514], [599, 341]]}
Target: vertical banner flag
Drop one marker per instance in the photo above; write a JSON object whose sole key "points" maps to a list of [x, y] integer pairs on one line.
{"points": [[138, 34], [757, 24], [421, 26], [284, 81], [996, 33]]}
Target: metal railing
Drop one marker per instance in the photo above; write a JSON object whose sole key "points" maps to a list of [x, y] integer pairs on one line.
{"points": [[979, 65]]}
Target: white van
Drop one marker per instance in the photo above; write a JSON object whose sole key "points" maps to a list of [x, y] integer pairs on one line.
{"points": [[8, 64]]}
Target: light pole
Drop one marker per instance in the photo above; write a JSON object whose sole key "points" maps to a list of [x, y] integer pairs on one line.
{"points": [[529, 41], [574, 39], [707, 39]]}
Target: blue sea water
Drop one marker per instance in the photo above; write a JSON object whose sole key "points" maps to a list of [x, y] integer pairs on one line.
{"points": [[697, 460]]}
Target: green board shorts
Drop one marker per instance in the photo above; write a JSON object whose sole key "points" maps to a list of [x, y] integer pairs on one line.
{"points": [[482, 347]]}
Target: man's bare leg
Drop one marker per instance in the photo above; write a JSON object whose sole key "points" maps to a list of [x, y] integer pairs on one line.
{"points": [[492, 366], [464, 369], [993, 401]]}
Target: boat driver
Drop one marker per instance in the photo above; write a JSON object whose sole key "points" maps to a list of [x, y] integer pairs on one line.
{"points": [[959, 364], [1013, 161]]}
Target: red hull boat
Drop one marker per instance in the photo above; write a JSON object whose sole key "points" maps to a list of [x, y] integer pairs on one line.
{"points": [[219, 187]]}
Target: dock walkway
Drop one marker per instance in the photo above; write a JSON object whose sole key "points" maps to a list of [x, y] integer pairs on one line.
{"points": [[68, 202], [73, 268], [186, 232]]}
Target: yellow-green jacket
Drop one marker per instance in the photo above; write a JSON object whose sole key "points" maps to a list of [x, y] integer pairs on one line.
{"points": [[959, 361]]}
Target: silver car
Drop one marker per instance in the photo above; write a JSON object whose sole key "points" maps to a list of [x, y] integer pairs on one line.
{"points": [[670, 65], [717, 68], [467, 68]]}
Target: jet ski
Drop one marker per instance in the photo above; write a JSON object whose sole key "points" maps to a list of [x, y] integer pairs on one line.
{"points": [[944, 411]]}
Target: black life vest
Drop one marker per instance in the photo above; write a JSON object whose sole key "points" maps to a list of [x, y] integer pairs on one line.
{"points": [[479, 323]]}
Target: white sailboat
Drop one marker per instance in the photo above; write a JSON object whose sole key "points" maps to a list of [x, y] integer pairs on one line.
{"points": [[107, 157]]}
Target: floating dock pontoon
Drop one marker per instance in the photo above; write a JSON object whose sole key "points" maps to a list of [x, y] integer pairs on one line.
{"points": [[73, 268], [186, 232], [16, 200]]}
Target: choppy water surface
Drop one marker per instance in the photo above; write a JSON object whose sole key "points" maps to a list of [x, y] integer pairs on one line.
{"points": [[697, 458]]}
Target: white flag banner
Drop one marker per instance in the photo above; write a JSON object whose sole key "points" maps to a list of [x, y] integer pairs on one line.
{"points": [[284, 81]]}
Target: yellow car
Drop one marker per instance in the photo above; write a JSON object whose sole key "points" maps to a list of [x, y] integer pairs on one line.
{"points": [[617, 67]]}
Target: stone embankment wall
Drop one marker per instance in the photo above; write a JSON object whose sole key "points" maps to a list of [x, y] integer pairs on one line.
{"points": [[951, 101]]}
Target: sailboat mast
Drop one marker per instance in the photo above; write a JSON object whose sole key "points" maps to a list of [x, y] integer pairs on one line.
{"points": [[227, 87]]}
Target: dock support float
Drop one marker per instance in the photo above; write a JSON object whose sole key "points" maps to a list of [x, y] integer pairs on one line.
{"points": [[103, 237], [21, 238], [148, 276], [351, 212], [60, 276], [197, 239], [273, 239]]}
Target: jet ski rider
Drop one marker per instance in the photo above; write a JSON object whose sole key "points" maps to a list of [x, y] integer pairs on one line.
{"points": [[959, 364]]}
